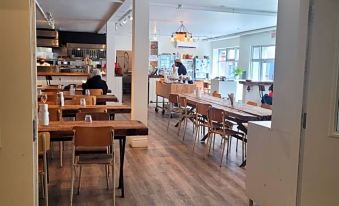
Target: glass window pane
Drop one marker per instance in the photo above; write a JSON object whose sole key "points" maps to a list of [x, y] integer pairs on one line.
{"points": [[255, 71], [267, 72], [222, 55], [256, 53], [222, 68], [230, 69], [237, 55], [231, 54], [268, 52]]}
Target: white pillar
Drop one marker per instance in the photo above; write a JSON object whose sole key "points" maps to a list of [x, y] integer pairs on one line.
{"points": [[114, 83], [18, 152], [140, 45]]}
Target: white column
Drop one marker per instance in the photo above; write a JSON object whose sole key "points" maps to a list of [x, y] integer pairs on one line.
{"points": [[18, 152], [140, 45], [114, 83]]}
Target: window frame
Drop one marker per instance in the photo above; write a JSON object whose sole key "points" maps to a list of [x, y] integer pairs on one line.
{"points": [[260, 60], [228, 60]]}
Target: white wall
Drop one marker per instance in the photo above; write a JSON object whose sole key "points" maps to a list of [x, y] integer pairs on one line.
{"points": [[245, 43], [166, 46], [281, 189], [320, 162], [18, 170], [123, 42]]}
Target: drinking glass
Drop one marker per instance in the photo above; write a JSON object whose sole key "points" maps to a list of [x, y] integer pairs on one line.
{"points": [[88, 118], [43, 98]]}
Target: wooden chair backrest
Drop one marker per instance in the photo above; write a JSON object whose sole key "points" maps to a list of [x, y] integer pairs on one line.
{"points": [[90, 100], [93, 136], [202, 109], [252, 103], [182, 101], [96, 116], [96, 92], [44, 140], [54, 114], [216, 115], [173, 98]]}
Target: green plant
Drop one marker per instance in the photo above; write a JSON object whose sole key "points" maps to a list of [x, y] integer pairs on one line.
{"points": [[238, 72]]}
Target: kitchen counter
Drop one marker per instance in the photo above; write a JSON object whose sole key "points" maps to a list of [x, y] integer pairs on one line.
{"points": [[253, 83]]}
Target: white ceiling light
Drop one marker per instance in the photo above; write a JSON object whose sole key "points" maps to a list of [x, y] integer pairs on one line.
{"points": [[123, 20]]}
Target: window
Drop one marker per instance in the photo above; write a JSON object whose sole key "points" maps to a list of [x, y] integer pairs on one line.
{"points": [[228, 61], [262, 63]]}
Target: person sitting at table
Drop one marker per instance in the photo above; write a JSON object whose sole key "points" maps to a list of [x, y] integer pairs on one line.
{"points": [[268, 98], [95, 82]]}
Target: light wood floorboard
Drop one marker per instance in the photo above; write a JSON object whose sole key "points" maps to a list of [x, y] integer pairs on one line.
{"points": [[167, 173]]}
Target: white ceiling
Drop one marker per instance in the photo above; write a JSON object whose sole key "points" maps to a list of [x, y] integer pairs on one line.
{"points": [[204, 18]]}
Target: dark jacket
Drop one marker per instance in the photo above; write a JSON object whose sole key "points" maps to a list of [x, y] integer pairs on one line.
{"points": [[95, 83], [181, 69]]}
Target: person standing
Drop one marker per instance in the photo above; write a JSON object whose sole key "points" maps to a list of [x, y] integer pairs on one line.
{"points": [[181, 68]]}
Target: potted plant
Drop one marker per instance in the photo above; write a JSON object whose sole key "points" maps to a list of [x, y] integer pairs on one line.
{"points": [[238, 72]]}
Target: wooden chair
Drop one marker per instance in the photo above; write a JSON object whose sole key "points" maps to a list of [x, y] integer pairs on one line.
{"points": [[173, 107], [96, 116], [85, 151], [90, 100], [55, 114], [96, 92], [252, 103], [43, 148], [200, 120], [218, 125], [216, 94], [185, 115]]}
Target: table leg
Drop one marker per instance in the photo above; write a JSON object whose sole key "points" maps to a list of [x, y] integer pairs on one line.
{"points": [[243, 164], [122, 143]]}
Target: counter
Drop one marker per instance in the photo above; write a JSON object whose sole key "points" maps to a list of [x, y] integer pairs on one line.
{"points": [[251, 91]]}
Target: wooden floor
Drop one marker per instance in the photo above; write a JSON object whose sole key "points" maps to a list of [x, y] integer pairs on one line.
{"points": [[167, 173]]}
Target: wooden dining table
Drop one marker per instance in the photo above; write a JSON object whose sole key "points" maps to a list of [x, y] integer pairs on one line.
{"points": [[100, 99], [238, 112], [122, 129], [71, 110]]}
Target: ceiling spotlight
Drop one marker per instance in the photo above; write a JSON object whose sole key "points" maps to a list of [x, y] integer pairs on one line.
{"points": [[130, 17]]}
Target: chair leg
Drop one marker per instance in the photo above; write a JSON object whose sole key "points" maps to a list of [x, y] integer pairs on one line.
{"points": [[208, 144], [42, 186], [179, 126], [243, 151], [79, 179], [250, 202], [169, 119], [113, 183], [46, 188], [106, 170], [61, 152], [196, 136], [236, 147], [222, 152], [72, 184], [213, 141], [183, 137]]}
